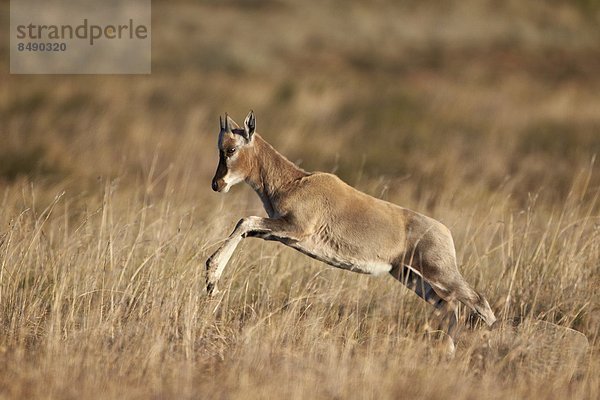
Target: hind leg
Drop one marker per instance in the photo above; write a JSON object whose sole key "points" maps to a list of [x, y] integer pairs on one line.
{"points": [[445, 311], [435, 258]]}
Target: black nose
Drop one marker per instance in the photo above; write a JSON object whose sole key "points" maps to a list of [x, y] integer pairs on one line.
{"points": [[214, 185]]}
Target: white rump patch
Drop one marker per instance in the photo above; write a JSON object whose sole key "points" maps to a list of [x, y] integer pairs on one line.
{"points": [[374, 268]]}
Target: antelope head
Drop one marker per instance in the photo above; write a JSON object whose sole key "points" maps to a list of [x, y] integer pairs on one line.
{"points": [[236, 152]]}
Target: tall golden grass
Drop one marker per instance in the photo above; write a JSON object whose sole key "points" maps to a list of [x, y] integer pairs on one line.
{"points": [[481, 115]]}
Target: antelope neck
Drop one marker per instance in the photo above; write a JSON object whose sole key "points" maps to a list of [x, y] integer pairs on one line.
{"points": [[271, 171]]}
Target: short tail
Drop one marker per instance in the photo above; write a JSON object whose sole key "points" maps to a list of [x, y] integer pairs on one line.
{"points": [[464, 293], [482, 308]]}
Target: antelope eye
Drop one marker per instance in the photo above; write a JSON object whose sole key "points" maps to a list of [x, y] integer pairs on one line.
{"points": [[230, 151]]}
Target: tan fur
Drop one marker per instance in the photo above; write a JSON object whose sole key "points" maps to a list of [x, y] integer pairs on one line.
{"points": [[323, 217]]}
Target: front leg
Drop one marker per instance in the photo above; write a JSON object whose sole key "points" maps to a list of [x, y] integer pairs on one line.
{"points": [[266, 228]]}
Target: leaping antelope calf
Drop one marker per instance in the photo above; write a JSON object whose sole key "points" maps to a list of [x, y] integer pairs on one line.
{"points": [[319, 215]]}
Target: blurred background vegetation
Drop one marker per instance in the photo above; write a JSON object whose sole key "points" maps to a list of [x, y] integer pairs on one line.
{"points": [[465, 93]]}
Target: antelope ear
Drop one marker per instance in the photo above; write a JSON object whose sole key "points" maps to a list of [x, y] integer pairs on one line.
{"points": [[230, 124], [250, 125]]}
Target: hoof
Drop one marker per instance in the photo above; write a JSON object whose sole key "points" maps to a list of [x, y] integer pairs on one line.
{"points": [[212, 290]]}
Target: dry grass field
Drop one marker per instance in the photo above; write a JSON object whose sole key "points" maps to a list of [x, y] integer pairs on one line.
{"points": [[482, 114]]}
